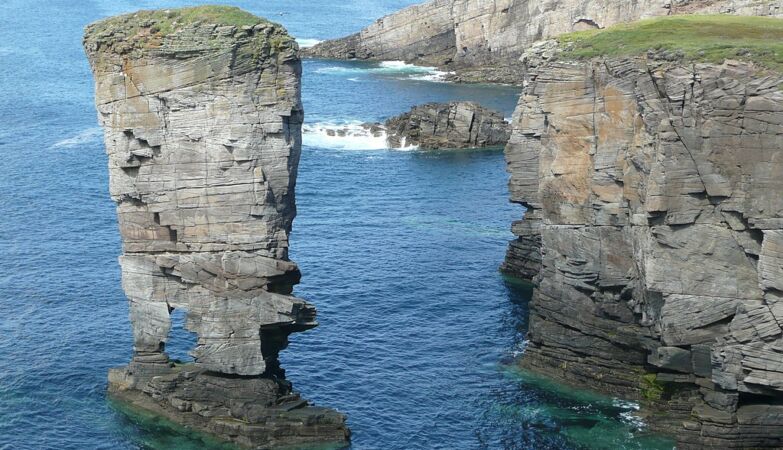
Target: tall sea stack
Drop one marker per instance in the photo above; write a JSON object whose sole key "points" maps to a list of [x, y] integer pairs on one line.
{"points": [[202, 118]]}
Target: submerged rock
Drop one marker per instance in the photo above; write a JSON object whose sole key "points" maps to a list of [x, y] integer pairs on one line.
{"points": [[448, 126], [654, 231], [202, 120], [483, 41]]}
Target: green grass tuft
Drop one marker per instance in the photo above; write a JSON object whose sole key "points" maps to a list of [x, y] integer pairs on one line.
{"points": [[220, 15], [190, 29], [166, 20], [652, 389], [702, 38], [159, 23]]}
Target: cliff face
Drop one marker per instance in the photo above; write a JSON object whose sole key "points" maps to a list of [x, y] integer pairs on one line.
{"points": [[655, 228], [422, 33], [202, 120], [482, 41]]}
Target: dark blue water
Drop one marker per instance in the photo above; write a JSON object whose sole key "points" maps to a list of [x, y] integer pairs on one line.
{"points": [[399, 251]]}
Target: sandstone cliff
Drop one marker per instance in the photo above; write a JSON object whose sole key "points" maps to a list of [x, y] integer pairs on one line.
{"points": [[654, 232], [482, 41], [202, 120]]}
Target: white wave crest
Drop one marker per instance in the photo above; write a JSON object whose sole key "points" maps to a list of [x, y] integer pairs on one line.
{"points": [[307, 43], [353, 135], [345, 136], [88, 136], [397, 69], [436, 76], [400, 65]]}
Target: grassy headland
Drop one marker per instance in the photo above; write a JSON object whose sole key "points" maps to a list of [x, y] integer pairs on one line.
{"points": [[707, 38]]}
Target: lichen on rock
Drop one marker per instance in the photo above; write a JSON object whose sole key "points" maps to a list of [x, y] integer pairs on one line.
{"points": [[202, 119]]}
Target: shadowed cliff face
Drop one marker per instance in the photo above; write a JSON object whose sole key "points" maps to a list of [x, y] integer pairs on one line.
{"points": [[654, 227], [482, 41], [202, 121]]}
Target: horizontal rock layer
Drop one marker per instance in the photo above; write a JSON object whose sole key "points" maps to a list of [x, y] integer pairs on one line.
{"points": [[202, 124], [448, 126], [654, 224], [482, 41]]}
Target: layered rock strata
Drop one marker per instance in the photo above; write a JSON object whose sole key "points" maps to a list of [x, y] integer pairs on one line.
{"points": [[202, 119], [482, 41], [655, 233], [432, 126], [448, 126]]}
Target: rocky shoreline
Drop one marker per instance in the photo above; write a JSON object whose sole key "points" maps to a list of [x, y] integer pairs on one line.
{"points": [[202, 120], [484, 41]]}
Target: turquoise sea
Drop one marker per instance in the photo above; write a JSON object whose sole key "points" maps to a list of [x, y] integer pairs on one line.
{"points": [[399, 250]]}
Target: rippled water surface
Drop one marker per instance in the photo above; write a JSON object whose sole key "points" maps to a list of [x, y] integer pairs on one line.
{"points": [[399, 251]]}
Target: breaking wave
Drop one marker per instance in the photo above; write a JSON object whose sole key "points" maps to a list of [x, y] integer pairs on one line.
{"points": [[307, 43], [397, 69], [353, 135]]}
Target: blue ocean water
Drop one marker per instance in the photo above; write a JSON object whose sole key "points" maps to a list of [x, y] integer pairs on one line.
{"points": [[399, 251]]}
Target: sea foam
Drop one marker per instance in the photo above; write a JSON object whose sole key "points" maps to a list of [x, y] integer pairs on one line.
{"points": [[353, 135], [88, 136], [307, 43], [396, 69]]}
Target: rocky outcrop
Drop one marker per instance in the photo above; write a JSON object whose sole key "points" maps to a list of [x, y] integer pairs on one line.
{"points": [[202, 121], [654, 229], [482, 41], [432, 126], [448, 126]]}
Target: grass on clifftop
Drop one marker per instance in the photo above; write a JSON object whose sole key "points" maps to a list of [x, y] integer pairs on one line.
{"points": [[710, 38], [217, 14], [165, 21], [143, 30]]}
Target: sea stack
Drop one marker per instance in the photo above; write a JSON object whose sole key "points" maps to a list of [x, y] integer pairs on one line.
{"points": [[202, 119]]}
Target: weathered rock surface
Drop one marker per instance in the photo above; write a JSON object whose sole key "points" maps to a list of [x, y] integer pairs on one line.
{"points": [[447, 126], [202, 122], [482, 41], [654, 230], [432, 126]]}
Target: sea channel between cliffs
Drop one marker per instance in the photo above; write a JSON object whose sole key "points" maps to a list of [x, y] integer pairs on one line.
{"points": [[626, 304]]}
